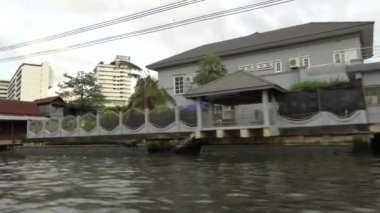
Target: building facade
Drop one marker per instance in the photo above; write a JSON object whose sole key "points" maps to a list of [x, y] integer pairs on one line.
{"points": [[52, 107], [3, 89], [285, 56], [30, 82], [115, 80]]}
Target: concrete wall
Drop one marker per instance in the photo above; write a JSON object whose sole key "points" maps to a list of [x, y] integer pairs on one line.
{"points": [[320, 53], [371, 79]]}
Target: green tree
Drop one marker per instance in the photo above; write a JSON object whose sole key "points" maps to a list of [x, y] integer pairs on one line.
{"points": [[81, 91], [149, 95], [211, 68]]}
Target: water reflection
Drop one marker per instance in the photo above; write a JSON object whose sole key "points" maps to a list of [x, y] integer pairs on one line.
{"points": [[189, 184]]}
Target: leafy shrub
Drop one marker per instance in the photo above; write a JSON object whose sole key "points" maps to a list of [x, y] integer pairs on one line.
{"points": [[316, 84]]}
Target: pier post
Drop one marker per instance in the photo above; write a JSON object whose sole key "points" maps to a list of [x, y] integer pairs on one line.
{"points": [[265, 107]]}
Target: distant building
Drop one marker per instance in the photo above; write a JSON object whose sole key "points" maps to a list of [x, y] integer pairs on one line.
{"points": [[116, 83], [51, 106], [3, 89], [13, 120], [30, 82]]}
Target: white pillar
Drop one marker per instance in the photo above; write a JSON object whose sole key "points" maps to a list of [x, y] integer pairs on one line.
{"points": [[43, 128], [98, 126], [78, 125], [199, 114], [60, 126], [176, 117], [265, 107], [211, 114], [146, 119], [121, 122]]}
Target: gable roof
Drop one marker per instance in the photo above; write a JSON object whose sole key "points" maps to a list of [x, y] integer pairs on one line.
{"points": [[8, 107], [57, 99], [276, 38], [236, 82]]}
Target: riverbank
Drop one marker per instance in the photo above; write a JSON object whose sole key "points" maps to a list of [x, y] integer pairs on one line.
{"points": [[240, 151]]}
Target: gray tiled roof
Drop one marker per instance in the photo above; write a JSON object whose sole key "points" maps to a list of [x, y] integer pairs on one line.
{"points": [[236, 82], [270, 39]]}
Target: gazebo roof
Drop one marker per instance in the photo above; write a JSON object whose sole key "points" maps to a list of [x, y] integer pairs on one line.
{"points": [[237, 88]]}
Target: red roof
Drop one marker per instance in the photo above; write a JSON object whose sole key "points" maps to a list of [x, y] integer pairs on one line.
{"points": [[55, 100], [8, 107]]}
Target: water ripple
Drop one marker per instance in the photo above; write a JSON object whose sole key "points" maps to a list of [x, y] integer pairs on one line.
{"points": [[177, 184]]}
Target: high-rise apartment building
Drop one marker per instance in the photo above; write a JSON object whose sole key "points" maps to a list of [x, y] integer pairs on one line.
{"points": [[116, 83], [30, 82], [3, 89]]}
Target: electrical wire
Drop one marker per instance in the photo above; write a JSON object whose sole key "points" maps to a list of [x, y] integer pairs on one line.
{"points": [[237, 10], [130, 17]]}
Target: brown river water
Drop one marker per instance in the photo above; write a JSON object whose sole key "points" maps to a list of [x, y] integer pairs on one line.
{"points": [[165, 183]]}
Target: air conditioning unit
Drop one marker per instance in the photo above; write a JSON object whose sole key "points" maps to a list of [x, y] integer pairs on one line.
{"points": [[294, 63]]}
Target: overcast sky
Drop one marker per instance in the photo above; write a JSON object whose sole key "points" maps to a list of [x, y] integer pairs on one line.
{"points": [[23, 20]]}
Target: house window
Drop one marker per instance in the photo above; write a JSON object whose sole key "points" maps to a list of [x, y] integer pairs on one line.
{"points": [[278, 66], [338, 58], [349, 55], [306, 62], [178, 85]]}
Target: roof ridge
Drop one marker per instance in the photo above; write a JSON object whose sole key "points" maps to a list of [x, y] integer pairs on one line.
{"points": [[231, 74], [216, 80], [260, 78], [190, 55]]}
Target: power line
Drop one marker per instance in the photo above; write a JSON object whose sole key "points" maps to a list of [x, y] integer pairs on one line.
{"points": [[237, 10], [130, 17]]}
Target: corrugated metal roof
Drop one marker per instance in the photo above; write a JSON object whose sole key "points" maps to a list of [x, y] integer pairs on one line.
{"points": [[49, 100], [8, 107], [271, 39], [236, 82]]}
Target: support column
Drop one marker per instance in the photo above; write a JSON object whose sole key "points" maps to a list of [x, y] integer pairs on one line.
{"points": [[121, 122], [198, 132], [28, 128], [274, 107], [146, 119], [199, 114], [59, 126], [78, 125], [265, 108], [176, 117], [12, 129], [211, 115], [43, 128], [98, 127]]}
